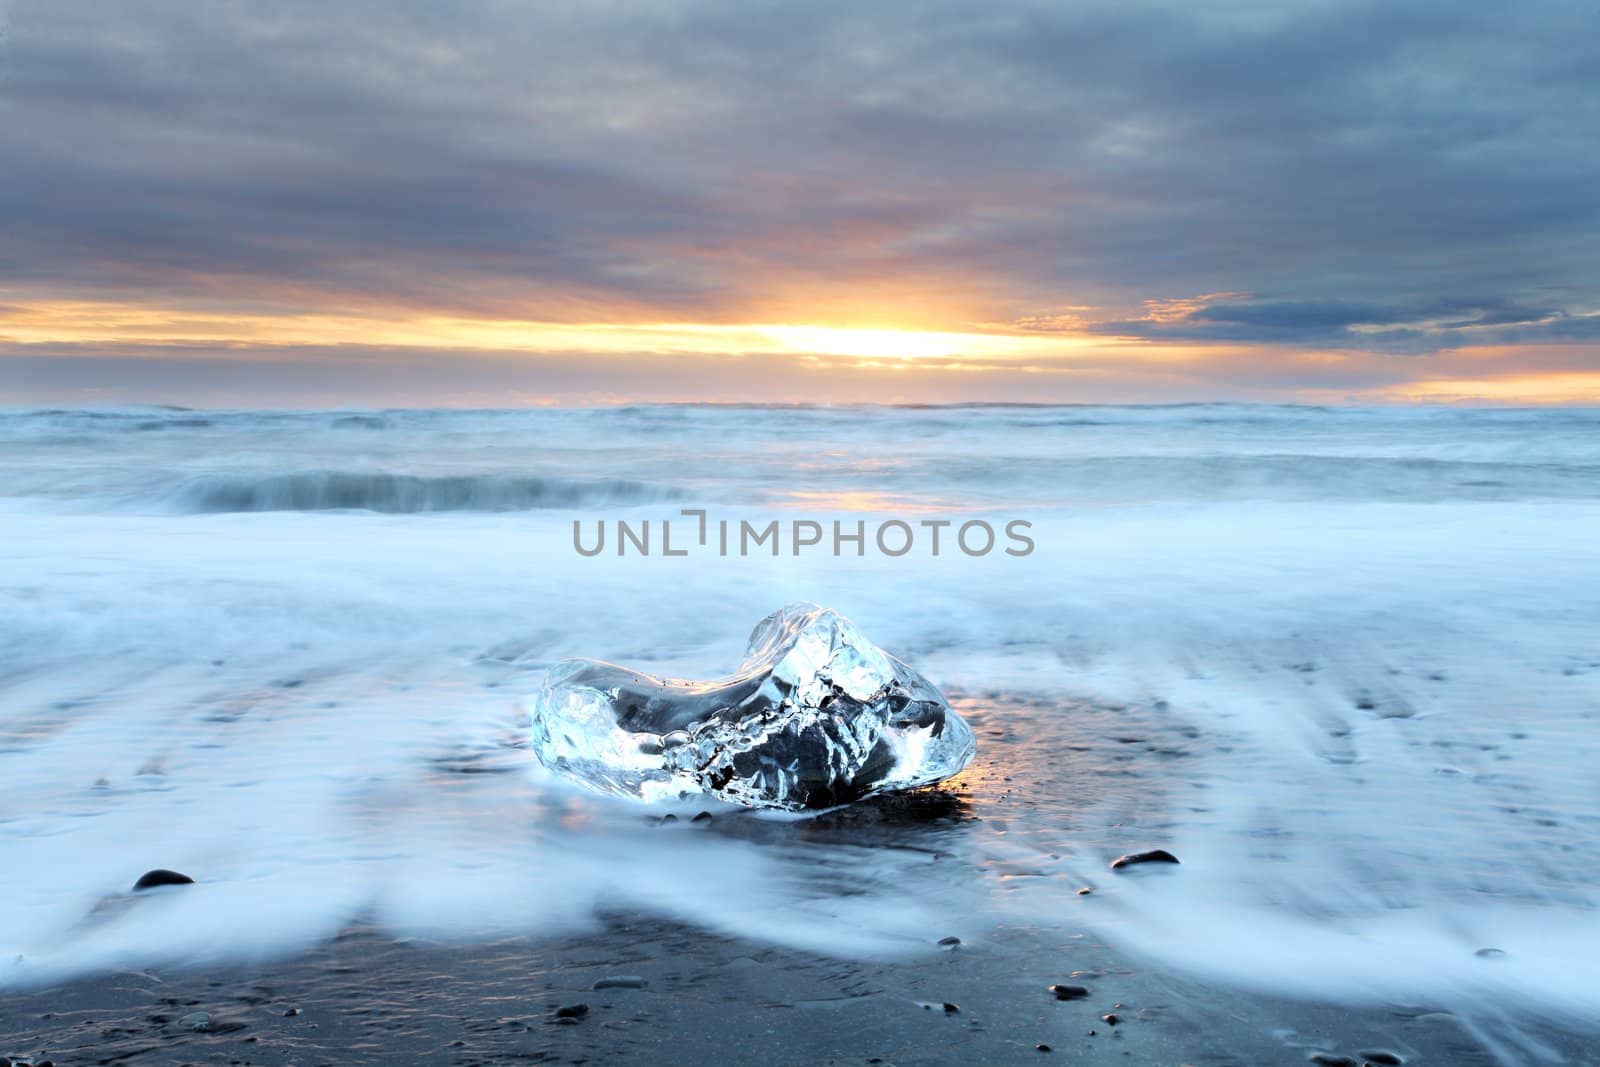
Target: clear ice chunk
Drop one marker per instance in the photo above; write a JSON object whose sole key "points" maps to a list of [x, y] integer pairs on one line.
{"points": [[815, 716]]}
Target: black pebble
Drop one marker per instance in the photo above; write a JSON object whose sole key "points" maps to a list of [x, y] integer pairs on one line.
{"points": [[161, 876], [572, 1011], [1042, 1047], [704, 816], [1069, 992], [1155, 855], [1110, 1019], [952, 1009], [1085, 891], [291, 1013], [1383, 1056], [949, 942], [669, 818], [1331, 1059]]}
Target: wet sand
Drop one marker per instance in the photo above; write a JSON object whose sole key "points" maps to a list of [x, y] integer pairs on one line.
{"points": [[1057, 792], [368, 999]]}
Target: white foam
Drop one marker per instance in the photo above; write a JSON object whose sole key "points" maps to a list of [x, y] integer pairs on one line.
{"points": [[268, 699]]}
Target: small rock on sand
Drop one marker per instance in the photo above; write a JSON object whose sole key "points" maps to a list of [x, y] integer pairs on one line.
{"points": [[949, 942], [161, 876], [1382, 1056], [1041, 1047], [1155, 855], [1070, 992], [1332, 1059], [572, 1011], [621, 981]]}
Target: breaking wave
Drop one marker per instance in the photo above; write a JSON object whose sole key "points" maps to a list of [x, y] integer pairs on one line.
{"points": [[403, 494]]}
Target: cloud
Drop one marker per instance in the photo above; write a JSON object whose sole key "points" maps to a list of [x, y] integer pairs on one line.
{"points": [[1399, 178], [1424, 326]]}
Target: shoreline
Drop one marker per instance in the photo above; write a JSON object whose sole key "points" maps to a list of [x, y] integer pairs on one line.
{"points": [[1063, 789], [367, 998]]}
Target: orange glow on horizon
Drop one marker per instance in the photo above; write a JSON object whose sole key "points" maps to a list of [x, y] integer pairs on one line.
{"points": [[1019, 361], [107, 323], [1550, 387]]}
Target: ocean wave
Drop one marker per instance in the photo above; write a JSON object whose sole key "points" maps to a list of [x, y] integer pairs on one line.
{"points": [[188, 423], [402, 493]]}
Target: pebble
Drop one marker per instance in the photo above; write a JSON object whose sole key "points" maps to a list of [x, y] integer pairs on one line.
{"points": [[1070, 992], [1383, 1056], [669, 817], [1155, 855], [1085, 891], [161, 876], [621, 981], [704, 816], [1109, 1018], [572, 1011], [1332, 1059], [949, 942], [291, 1013], [1041, 1047], [952, 1009], [198, 1021]]}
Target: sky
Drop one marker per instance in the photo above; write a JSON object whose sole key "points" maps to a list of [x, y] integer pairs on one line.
{"points": [[376, 203]]}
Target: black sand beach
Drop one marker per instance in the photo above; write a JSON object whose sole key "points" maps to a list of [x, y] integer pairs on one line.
{"points": [[367, 999], [1088, 783]]}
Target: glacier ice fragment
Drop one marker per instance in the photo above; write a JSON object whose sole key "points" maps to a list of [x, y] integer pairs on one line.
{"points": [[814, 717]]}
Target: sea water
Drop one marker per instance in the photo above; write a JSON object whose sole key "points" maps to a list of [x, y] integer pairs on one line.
{"points": [[1345, 663]]}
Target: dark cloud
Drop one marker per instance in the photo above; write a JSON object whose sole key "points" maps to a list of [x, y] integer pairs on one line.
{"points": [[1400, 328], [202, 376], [1428, 168]]}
